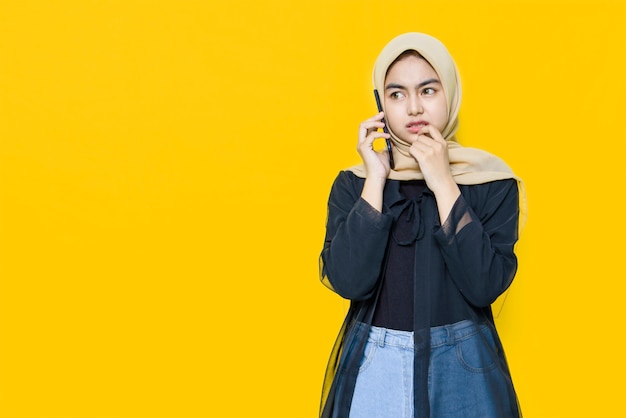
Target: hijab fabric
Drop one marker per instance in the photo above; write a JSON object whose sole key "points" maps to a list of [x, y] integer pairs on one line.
{"points": [[467, 165]]}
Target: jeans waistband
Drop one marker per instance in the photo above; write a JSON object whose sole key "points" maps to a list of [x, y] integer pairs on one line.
{"points": [[441, 335]]}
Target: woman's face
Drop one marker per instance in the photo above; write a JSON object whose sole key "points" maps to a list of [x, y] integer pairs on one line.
{"points": [[414, 98]]}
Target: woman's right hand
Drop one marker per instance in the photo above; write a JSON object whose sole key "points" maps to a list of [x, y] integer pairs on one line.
{"points": [[376, 163]]}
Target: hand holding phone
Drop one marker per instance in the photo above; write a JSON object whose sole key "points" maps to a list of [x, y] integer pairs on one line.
{"points": [[388, 141]]}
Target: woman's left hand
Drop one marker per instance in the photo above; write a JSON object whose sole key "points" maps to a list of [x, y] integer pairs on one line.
{"points": [[430, 150]]}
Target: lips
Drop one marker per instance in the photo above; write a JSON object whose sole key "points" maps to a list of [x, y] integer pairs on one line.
{"points": [[416, 126]]}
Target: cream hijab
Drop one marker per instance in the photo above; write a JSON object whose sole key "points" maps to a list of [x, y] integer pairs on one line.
{"points": [[468, 165]]}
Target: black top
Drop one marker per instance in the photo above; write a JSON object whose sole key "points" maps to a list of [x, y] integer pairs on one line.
{"points": [[395, 303]]}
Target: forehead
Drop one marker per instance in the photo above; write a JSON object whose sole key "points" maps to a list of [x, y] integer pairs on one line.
{"points": [[410, 67]]}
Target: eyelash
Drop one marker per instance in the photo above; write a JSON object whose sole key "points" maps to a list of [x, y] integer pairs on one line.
{"points": [[429, 91]]}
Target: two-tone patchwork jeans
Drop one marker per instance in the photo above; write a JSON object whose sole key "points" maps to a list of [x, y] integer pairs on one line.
{"points": [[464, 380]]}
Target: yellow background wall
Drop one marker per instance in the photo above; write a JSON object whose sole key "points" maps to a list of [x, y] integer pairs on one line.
{"points": [[164, 170]]}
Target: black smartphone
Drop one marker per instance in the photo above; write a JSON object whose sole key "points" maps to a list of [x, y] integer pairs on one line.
{"points": [[380, 109]]}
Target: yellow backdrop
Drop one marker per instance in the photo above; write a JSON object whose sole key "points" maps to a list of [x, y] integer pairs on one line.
{"points": [[164, 170]]}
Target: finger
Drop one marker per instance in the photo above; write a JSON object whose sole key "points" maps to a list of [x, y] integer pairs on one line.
{"points": [[379, 116], [376, 118], [372, 125], [427, 146], [418, 150], [374, 135], [432, 133], [368, 128]]}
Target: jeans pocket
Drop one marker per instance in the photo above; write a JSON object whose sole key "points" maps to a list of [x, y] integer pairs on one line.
{"points": [[478, 353], [368, 355]]}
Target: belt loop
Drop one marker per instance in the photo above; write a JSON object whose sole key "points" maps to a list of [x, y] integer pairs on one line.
{"points": [[381, 337], [449, 335]]}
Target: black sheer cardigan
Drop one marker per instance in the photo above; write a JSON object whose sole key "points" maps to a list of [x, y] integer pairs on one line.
{"points": [[470, 259]]}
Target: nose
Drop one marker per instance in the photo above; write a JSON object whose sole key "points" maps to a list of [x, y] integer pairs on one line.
{"points": [[414, 105]]}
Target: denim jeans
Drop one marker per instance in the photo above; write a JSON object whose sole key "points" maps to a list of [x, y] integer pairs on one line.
{"points": [[464, 380]]}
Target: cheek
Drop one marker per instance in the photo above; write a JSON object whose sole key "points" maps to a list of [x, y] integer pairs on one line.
{"points": [[391, 116], [442, 112]]}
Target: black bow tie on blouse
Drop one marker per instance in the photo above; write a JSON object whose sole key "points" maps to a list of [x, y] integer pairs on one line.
{"points": [[409, 226]]}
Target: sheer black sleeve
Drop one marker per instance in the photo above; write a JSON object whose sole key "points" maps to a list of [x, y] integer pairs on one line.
{"points": [[478, 238], [356, 238]]}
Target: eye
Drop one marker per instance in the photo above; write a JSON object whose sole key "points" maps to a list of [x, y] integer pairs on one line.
{"points": [[396, 95], [429, 91]]}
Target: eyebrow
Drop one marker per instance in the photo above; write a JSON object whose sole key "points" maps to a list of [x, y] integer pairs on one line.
{"points": [[420, 85]]}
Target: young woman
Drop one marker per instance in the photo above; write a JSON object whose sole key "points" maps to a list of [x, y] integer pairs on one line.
{"points": [[421, 248]]}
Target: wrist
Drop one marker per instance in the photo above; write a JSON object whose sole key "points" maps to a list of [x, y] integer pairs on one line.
{"points": [[373, 192], [446, 191], [375, 179], [446, 195]]}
